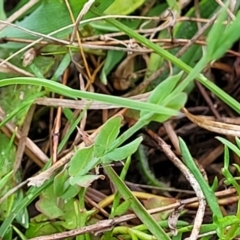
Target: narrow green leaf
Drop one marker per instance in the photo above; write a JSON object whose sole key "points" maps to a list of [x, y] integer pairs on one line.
{"points": [[32, 194], [221, 225], [122, 152], [107, 135], [229, 144], [226, 157], [237, 141], [216, 30], [215, 184], [113, 58], [208, 193], [137, 207], [73, 93], [237, 167], [227, 37], [203, 80], [47, 204], [80, 159], [122, 208], [59, 182], [5, 179]]}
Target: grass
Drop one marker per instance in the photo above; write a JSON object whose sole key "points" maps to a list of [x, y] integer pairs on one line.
{"points": [[61, 191]]}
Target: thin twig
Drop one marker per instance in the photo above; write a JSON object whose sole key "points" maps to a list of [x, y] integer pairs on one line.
{"points": [[23, 139]]}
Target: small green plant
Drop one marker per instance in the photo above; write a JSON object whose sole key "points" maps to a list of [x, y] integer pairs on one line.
{"points": [[61, 203], [233, 231]]}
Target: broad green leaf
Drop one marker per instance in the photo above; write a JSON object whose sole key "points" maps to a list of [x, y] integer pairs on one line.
{"points": [[84, 181], [70, 192], [122, 152], [48, 204], [46, 13], [107, 135], [59, 183], [70, 218], [2, 12], [89, 166], [176, 102], [37, 229], [80, 159], [163, 90]]}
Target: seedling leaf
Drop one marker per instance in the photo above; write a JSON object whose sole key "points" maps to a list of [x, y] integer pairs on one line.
{"points": [[71, 191], [107, 135], [80, 160], [122, 152], [59, 184], [163, 90], [176, 102]]}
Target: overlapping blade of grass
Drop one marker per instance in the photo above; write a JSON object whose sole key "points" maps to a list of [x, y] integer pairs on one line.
{"points": [[168, 56], [72, 93]]}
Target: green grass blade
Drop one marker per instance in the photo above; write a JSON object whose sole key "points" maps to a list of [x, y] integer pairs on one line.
{"points": [[208, 193], [72, 93], [165, 54], [137, 207]]}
